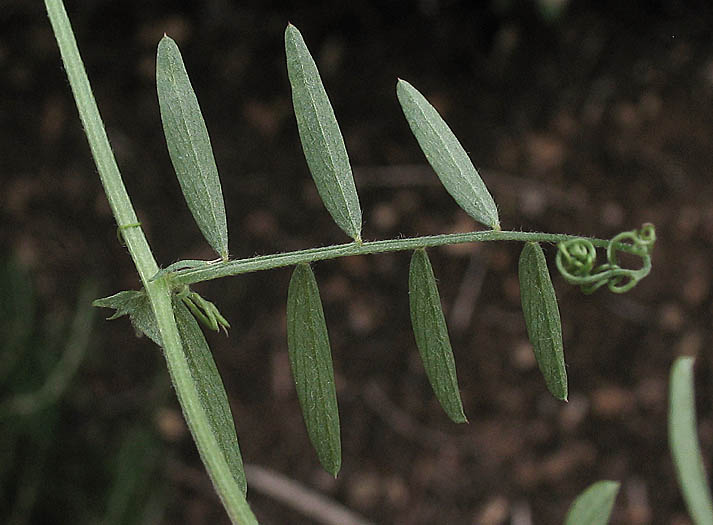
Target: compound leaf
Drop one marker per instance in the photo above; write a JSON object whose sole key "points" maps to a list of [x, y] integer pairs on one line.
{"points": [[321, 138], [594, 505], [542, 318], [189, 146], [429, 328], [311, 363], [447, 157], [683, 440]]}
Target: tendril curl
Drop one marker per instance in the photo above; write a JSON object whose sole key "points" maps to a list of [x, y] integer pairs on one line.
{"points": [[576, 260]]}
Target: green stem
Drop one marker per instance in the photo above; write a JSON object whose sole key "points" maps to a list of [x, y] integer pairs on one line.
{"points": [[212, 270], [157, 290], [98, 141]]}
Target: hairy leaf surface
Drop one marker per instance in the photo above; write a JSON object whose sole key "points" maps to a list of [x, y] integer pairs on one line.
{"points": [[429, 328], [311, 363], [189, 146], [321, 138], [542, 318], [447, 157]]}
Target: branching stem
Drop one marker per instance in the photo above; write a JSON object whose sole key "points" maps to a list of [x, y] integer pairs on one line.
{"points": [[210, 270], [158, 290]]}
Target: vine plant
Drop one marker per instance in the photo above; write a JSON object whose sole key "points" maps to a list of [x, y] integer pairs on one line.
{"points": [[168, 311]]}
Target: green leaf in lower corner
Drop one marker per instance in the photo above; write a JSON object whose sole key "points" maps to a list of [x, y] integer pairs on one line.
{"points": [[321, 138], [542, 318], [311, 363], [189, 146], [683, 440], [429, 327], [211, 391], [447, 157], [594, 505]]}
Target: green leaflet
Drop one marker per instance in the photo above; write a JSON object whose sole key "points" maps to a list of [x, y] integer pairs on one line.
{"points": [[321, 139], [683, 440], [210, 390], [447, 157], [311, 363], [542, 317], [189, 146], [213, 399], [429, 328], [594, 505]]}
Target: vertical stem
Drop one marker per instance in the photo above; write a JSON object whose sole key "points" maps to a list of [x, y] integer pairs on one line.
{"points": [[158, 290], [98, 140]]}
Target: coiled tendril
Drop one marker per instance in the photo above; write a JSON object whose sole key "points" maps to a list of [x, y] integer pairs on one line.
{"points": [[576, 259]]}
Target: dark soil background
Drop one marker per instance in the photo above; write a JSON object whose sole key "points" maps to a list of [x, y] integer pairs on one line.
{"points": [[592, 120]]}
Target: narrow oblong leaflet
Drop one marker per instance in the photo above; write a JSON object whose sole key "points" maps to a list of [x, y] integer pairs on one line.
{"points": [[321, 138], [189, 146], [312, 370], [431, 332], [447, 157], [209, 385], [542, 318]]}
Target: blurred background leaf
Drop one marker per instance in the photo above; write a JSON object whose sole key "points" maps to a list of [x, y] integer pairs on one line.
{"points": [[39, 482]]}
